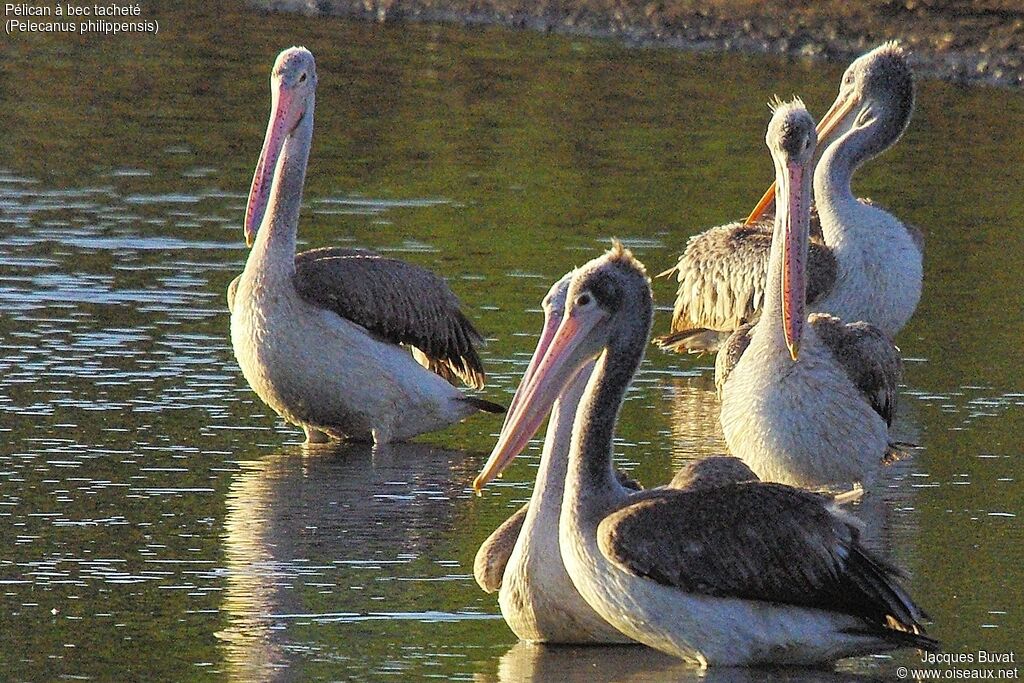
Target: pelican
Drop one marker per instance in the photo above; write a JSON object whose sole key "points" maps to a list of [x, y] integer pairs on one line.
{"points": [[807, 403], [317, 334], [521, 559], [863, 263], [726, 570]]}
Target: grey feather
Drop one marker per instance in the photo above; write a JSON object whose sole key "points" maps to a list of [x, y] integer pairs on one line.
{"points": [[756, 541], [399, 302], [916, 234], [870, 359]]}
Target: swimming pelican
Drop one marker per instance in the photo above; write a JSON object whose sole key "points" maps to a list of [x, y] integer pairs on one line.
{"points": [[863, 263], [521, 558], [726, 571], [823, 419], [317, 334]]}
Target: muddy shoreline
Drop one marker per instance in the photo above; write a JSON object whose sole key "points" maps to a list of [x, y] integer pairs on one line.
{"points": [[961, 41]]}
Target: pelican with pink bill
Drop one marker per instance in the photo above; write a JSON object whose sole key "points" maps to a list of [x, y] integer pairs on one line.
{"points": [[319, 335], [862, 262], [719, 569]]}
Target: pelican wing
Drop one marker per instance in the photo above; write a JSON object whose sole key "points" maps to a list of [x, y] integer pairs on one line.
{"points": [[492, 557], [397, 301], [722, 275], [756, 541], [232, 288], [729, 355], [870, 359], [338, 251]]}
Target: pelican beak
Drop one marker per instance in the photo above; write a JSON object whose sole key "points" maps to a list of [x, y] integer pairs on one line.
{"points": [[285, 116], [561, 360], [552, 320], [794, 271], [828, 129], [766, 201]]}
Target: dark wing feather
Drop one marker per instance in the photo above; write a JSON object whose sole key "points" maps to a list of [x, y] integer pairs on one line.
{"points": [[870, 359], [397, 301], [722, 275], [335, 251], [729, 355], [756, 541]]}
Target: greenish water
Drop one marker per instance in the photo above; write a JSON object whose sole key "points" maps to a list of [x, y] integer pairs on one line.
{"points": [[157, 522]]}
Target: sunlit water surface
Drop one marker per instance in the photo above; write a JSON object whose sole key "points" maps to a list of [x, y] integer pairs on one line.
{"points": [[159, 522]]}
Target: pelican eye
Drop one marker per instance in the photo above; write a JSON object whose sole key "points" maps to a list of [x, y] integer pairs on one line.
{"points": [[302, 78], [584, 300]]}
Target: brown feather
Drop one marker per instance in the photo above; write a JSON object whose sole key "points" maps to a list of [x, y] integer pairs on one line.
{"points": [[722, 275]]}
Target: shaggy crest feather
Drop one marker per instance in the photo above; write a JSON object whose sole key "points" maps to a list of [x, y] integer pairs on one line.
{"points": [[619, 252]]}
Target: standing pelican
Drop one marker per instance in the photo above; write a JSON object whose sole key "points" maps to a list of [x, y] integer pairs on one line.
{"points": [[724, 571], [317, 335], [863, 263], [804, 404], [521, 558]]}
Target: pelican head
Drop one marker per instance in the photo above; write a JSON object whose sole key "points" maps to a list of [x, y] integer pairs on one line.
{"points": [[876, 99], [553, 306], [608, 305], [791, 139], [876, 94], [292, 92]]}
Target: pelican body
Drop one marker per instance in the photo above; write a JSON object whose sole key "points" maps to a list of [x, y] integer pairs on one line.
{"points": [[791, 405], [862, 263], [522, 558], [725, 570], [317, 335]]}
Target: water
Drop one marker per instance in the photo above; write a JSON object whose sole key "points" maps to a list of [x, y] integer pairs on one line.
{"points": [[159, 522]]}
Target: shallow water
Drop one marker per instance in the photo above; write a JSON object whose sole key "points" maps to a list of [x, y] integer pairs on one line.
{"points": [[158, 521]]}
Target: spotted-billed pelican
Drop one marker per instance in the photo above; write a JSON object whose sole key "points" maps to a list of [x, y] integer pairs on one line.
{"points": [[863, 263], [807, 403], [318, 334], [724, 571], [521, 558]]}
